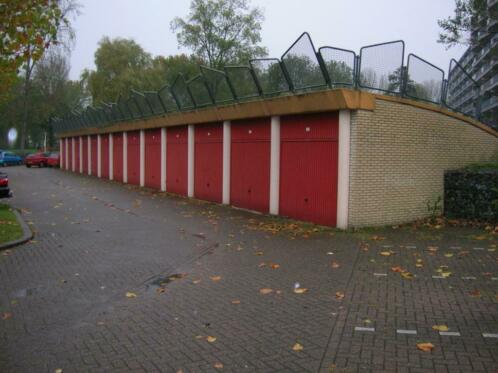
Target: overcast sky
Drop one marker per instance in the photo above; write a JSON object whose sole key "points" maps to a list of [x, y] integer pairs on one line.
{"points": [[348, 24]]}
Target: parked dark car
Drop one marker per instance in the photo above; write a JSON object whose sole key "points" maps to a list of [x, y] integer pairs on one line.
{"points": [[37, 159], [4, 185], [53, 160], [9, 159]]}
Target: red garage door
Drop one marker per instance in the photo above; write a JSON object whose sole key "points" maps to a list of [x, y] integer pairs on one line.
{"points": [[208, 162], [85, 154], [153, 158], [104, 156], [250, 164], [77, 154], [308, 167], [134, 157], [176, 160], [117, 156], [63, 153], [70, 153], [94, 155]]}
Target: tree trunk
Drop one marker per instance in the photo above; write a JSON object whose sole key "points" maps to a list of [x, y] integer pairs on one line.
{"points": [[25, 114]]}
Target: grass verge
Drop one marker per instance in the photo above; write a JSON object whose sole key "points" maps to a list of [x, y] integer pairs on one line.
{"points": [[10, 229]]}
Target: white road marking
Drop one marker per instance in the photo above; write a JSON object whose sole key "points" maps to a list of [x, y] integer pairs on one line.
{"points": [[450, 334], [363, 329], [380, 274], [490, 335]]}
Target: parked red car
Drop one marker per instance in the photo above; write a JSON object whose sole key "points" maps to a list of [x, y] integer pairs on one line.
{"points": [[37, 159], [4, 186], [53, 159]]}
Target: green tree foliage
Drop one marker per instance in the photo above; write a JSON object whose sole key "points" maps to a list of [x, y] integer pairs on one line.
{"points": [[28, 28], [455, 30], [122, 65], [221, 31], [339, 72]]}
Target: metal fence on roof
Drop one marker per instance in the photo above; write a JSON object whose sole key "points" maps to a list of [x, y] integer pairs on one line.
{"points": [[379, 68]]}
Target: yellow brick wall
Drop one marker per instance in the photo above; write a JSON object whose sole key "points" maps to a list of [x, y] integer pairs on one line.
{"points": [[398, 157]]}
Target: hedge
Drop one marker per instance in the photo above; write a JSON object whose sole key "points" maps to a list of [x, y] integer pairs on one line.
{"points": [[471, 193]]}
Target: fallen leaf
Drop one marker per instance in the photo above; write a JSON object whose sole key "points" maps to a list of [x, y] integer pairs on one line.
{"points": [[300, 290], [440, 328], [160, 290], [210, 339], [274, 266], [6, 315], [235, 301], [475, 293], [446, 274], [218, 365], [426, 347], [480, 238], [386, 253], [334, 264], [130, 294], [419, 265], [377, 238], [448, 255], [407, 275], [339, 295], [59, 370], [258, 253], [297, 347], [262, 264], [215, 278], [196, 281], [398, 269], [432, 249], [367, 321], [265, 291]]}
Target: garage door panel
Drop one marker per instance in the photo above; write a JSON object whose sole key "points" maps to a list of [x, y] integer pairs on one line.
{"points": [[77, 154], [153, 159], [177, 160], [250, 164], [133, 158], [308, 168], [208, 167], [104, 156], [94, 146], [70, 153], [117, 157], [84, 154]]}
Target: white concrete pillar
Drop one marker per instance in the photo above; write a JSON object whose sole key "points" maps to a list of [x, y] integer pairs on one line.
{"points": [[163, 159], [227, 141], [275, 165], [67, 154], [61, 145], [191, 159], [125, 157], [89, 153], [142, 158], [111, 157], [81, 154], [343, 169], [99, 156]]}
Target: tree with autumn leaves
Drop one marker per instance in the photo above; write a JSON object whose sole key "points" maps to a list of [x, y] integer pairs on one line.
{"points": [[28, 28]]}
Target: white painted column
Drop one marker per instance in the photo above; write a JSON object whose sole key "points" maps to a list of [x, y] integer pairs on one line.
{"points": [[89, 153], [142, 158], [125, 157], [67, 154], [81, 154], [275, 165], [227, 140], [191, 158], [343, 169], [163, 159], [99, 156], [111, 157], [73, 156]]}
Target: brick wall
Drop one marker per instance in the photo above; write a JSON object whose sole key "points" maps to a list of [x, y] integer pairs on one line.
{"points": [[398, 157]]}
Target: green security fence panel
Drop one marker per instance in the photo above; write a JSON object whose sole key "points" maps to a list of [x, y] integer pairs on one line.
{"points": [[340, 65], [302, 65], [379, 68]]}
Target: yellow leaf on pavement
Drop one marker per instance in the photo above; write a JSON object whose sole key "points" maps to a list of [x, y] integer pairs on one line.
{"points": [[440, 328], [130, 294], [297, 347], [300, 290], [218, 365], [265, 291], [235, 301], [426, 347], [339, 295], [215, 278], [210, 339]]}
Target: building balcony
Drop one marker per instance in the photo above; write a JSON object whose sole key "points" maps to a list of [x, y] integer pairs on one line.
{"points": [[485, 72], [491, 85], [492, 24], [489, 104], [492, 3]]}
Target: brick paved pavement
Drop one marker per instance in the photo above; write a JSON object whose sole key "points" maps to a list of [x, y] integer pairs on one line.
{"points": [[63, 296]]}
